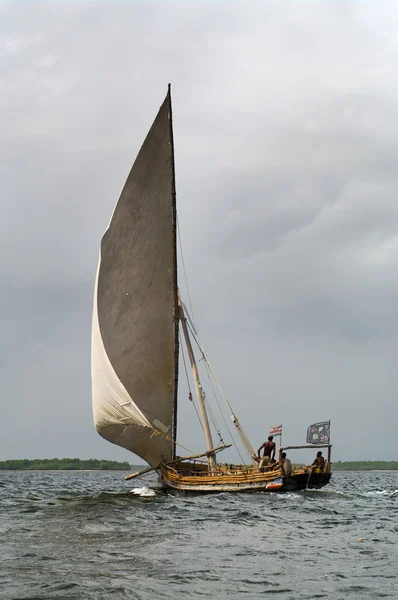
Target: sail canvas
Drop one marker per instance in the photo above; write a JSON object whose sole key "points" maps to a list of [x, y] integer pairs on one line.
{"points": [[134, 356]]}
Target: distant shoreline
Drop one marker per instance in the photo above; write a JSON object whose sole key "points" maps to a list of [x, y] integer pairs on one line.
{"points": [[365, 465], [64, 464], [91, 465], [134, 468], [67, 470], [367, 470]]}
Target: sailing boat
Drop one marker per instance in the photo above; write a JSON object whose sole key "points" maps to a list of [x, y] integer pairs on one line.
{"points": [[137, 317]]}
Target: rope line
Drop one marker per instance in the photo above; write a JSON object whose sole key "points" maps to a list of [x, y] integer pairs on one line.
{"points": [[208, 368], [183, 268], [244, 439], [192, 326], [233, 438], [189, 387]]}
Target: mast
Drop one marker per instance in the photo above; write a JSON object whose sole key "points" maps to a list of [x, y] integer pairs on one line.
{"points": [[244, 439], [175, 283], [199, 392]]}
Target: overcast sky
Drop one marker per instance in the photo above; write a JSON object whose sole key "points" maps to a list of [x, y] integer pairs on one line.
{"points": [[286, 137]]}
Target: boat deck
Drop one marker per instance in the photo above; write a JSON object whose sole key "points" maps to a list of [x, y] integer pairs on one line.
{"points": [[196, 477]]}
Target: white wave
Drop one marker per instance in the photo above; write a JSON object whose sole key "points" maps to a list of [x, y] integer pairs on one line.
{"points": [[382, 493], [144, 492]]}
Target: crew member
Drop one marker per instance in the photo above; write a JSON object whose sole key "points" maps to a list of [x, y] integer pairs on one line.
{"points": [[286, 465], [319, 462], [269, 452]]}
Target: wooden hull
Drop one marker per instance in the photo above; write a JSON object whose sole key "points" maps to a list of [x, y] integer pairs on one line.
{"points": [[245, 480]]}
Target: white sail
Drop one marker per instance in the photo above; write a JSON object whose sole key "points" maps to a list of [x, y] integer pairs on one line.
{"points": [[134, 343]]}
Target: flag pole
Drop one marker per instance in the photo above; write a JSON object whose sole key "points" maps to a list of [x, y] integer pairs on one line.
{"points": [[329, 448]]}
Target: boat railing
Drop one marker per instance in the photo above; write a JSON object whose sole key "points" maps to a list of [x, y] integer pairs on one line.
{"points": [[236, 470]]}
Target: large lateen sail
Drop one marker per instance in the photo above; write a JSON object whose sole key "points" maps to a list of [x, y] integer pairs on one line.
{"points": [[134, 355]]}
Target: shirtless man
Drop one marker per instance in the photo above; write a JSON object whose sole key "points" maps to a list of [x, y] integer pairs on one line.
{"points": [[319, 462], [269, 452], [286, 464]]}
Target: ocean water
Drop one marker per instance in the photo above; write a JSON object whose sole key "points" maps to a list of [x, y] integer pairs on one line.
{"points": [[91, 535]]}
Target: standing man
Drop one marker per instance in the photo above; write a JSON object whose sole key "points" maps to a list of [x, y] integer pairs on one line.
{"points": [[269, 452]]}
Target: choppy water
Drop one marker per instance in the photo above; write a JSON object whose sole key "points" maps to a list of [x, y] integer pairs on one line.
{"points": [[86, 536]]}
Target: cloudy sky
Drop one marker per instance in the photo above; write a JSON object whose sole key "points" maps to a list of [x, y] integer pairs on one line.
{"points": [[286, 136]]}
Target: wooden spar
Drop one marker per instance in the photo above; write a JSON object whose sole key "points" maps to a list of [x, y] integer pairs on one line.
{"points": [[175, 284], [138, 473], [174, 462], [312, 446], [199, 391], [244, 439]]}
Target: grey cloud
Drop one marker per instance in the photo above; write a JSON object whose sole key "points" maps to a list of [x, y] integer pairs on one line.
{"points": [[286, 133]]}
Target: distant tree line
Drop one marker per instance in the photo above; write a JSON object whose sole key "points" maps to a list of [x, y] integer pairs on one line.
{"points": [[63, 464], [365, 465], [93, 464]]}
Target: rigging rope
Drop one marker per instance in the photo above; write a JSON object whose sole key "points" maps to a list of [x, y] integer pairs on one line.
{"points": [[169, 439], [212, 417], [242, 435], [222, 414], [245, 440], [193, 332], [189, 387], [183, 268]]}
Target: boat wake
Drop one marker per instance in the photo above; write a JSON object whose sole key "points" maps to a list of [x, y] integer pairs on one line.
{"points": [[144, 492], [388, 493]]}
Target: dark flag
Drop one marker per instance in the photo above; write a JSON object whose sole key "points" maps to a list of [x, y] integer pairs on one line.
{"points": [[319, 433]]}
